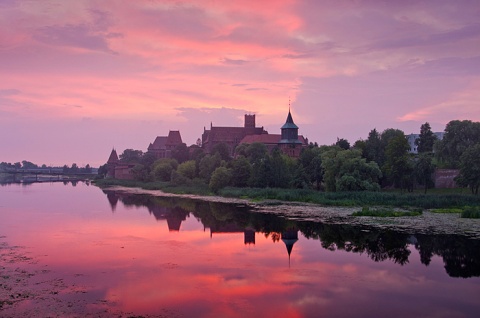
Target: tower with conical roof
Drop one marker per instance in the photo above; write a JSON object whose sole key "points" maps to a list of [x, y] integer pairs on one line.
{"points": [[111, 163], [289, 131], [289, 237]]}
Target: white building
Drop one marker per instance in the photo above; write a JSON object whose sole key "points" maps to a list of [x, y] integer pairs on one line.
{"points": [[412, 137]]}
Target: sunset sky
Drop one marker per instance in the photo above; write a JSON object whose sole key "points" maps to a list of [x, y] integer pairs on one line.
{"points": [[80, 77]]}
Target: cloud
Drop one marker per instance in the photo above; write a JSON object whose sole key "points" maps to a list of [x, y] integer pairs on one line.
{"points": [[79, 36], [233, 61], [9, 92]]}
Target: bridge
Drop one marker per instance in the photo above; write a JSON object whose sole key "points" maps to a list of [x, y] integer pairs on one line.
{"points": [[46, 174]]}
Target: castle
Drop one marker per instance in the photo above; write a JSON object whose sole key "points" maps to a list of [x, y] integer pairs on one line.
{"points": [[288, 141]]}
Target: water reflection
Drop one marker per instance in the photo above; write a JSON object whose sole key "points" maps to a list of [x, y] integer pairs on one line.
{"points": [[460, 254]]}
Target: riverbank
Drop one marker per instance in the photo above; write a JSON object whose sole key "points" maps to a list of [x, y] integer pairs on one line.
{"points": [[426, 223]]}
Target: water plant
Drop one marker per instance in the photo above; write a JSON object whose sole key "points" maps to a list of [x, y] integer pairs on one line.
{"points": [[384, 212]]}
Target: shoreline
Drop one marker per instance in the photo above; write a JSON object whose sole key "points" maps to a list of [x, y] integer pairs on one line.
{"points": [[427, 223]]}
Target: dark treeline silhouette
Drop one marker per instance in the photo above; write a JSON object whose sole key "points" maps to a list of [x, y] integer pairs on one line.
{"points": [[30, 166], [459, 253]]}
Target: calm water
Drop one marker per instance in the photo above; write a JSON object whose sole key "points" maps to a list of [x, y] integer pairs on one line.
{"points": [[104, 253]]}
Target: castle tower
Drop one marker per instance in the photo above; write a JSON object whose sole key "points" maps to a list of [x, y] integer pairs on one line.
{"points": [[111, 163], [249, 121], [289, 131]]}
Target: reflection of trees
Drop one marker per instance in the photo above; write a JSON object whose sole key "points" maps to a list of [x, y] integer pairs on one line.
{"points": [[459, 254], [378, 245]]}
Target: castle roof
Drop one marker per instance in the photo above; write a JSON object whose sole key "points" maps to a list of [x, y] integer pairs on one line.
{"points": [[264, 139], [159, 143], [267, 139], [174, 138], [289, 124], [113, 157]]}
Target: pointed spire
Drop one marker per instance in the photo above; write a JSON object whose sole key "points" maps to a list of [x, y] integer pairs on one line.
{"points": [[113, 156]]}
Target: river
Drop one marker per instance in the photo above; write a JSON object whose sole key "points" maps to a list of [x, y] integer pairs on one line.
{"points": [[79, 251]]}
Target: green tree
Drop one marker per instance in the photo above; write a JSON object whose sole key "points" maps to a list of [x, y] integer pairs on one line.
{"points": [[424, 169], [343, 143], [278, 172], [187, 169], [311, 161], [141, 173], [398, 167], [470, 169], [28, 165], [426, 139], [207, 166], [241, 172], [458, 137], [346, 170], [220, 179], [223, 150], [241, 150], [180, 153], [256, 151], [131, 156], [103, 170], [373, 149], [162, 169]]}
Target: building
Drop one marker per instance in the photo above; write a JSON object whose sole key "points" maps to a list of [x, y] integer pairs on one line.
{"points": [[230, 135], [413, 137], [117, 169], [163, 145], [288, 141]]}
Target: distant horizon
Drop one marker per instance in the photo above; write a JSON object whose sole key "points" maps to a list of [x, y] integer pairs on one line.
{"points": [[79, 78]]}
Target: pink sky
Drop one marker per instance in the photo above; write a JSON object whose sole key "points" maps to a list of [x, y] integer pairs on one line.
{"points": [[80, 77]]}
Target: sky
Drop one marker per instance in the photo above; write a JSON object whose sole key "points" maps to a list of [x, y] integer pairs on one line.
{"points": [[78, 78]]}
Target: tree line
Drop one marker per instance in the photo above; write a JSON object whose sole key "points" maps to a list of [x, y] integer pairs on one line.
{"points": [[382, 160], [74, 168]]}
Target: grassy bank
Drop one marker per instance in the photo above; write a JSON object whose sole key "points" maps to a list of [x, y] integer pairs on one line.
{"points": [[442, 200]]}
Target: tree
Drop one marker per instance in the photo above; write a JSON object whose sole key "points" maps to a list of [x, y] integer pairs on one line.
{"points": [[398, 167], [424, 169], [458, 137], [180, 153], [28, 165], [207, 166], [223, 150], [241, 172], [346, 170], [426, 139], [256, 151], [310, 159], [187, 169], [470, 169], [373, 150], [162, 169], [278, 172], [141, 173], [220, 179], [131, 156], [343, 143], [103, 170]]}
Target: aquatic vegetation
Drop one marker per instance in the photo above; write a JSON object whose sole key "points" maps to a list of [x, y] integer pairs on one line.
{"points": [[383, 212]]}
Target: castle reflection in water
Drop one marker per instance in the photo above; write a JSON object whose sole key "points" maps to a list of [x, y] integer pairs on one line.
{"points": [[459, 253]]}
